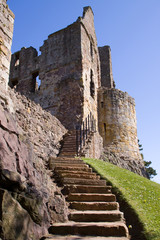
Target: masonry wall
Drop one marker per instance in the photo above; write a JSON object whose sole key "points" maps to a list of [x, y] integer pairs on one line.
{"points": [[60, 74], [72, 70], [90, 63], [6, 33], [69, 71], [106, 67], [24, 66], [59, 70], [117, 122], [118, 127]]}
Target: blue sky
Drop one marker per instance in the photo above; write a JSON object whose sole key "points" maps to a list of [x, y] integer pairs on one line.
{"points": [[131, 28]]}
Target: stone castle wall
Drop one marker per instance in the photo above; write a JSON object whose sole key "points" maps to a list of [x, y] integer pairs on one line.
{"points": [[59, 70], [69, 70], [90, 63], [60, 74], [76, 79], [6, 33]]}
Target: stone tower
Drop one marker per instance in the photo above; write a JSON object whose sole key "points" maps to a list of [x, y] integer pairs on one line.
{"points": [[6, 34], [76, 80]]}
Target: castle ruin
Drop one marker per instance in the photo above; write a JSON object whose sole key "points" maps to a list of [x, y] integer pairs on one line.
{"points": [[76, 81]]}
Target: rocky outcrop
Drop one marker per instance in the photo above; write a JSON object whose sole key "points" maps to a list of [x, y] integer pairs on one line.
{"points": [[136, 166], [28, 136]]}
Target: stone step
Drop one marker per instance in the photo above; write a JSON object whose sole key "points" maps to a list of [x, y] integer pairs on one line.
{"points": [[90, 197], [83, 181], [68, 162], [69, 146], [83, 206], [78, 175], [67, 149], [70, 142], [70, 139], [68, 168], [70, 165], [73, 136], [75, 172], [69, 154], [64, 158], [116, 229], [96, 216], [86, 189], [77, 237]]}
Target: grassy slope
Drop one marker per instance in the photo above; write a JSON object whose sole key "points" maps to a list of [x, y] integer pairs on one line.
{"points": [[142, 194]]}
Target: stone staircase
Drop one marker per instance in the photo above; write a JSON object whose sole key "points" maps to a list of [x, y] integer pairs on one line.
{"points": [[69, 145], [93, 210]]}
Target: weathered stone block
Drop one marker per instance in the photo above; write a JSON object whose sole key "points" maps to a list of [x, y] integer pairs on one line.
{"points": [[16, 222]]}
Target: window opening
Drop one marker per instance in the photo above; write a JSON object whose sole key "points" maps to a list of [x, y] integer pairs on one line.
{"points": [[13, 83], [92, 87], [104, 127], [91, 49], [16, 60], [36, 81], [102, 104]]}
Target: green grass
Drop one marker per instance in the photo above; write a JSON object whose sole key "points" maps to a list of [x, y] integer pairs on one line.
{"points": [[140, 193]]}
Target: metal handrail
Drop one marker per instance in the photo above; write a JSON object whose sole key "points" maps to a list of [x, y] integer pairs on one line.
{"points": [[83, 132]]}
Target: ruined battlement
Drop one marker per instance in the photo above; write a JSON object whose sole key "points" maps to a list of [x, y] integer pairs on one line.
{"points": [[76, 80], [69, 70]]}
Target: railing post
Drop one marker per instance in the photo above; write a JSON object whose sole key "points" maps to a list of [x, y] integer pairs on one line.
{"points": [[80, 136], [92, 125], [77, 140], [83, 133], [86, 128], [88, 125]]}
